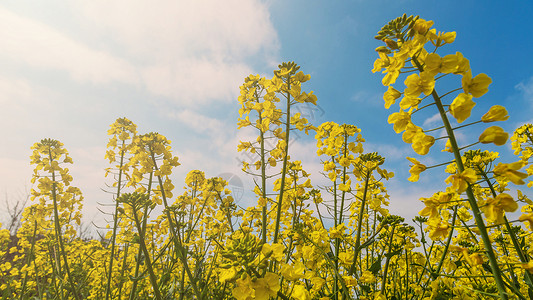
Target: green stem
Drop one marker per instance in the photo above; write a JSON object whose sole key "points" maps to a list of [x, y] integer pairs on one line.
{"points": [[147, 260], [133, 291], [285, 159], [471, 198], [514, 240], [28, 259], [180, 251], [263, 185], [436, 273], [58, 231], [387, 261], [359, 224], [115, 222]]}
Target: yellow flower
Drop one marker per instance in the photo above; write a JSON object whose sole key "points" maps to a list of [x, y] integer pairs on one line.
{"points": [[461, 180], [266, 287], [367, 277], [400, 120], [433, 204], [276, 250], [345, 187], [349, 281], [422, 26], [346, 258], [450, 63], [510, 172], [446, 64], [293, 273], [243, 289], [415, 170], [461, 107], [474, 259], [448, 37], [408, 102], [527, 218], [382, 62], [419, 84], [410, 131], [494, 134], [422, 143], [448, 147], [393, 71], [433, 62], [244, 123], [463, 64], [438, 229], [476, 86], [338, 231], [494, 207], [495, 113], [300, 293], [528, 266], [227, 274], [390, 96]]}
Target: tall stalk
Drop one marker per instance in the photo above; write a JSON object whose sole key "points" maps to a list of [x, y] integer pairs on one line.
{"points": [[115, 222], [58, 233], [179, 249], [285, 156], [496, 272]]}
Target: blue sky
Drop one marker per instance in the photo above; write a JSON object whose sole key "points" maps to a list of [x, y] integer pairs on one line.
{"points": [[68, 70]]}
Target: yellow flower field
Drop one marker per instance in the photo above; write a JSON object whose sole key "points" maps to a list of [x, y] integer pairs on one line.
{"points": [[300, 241]]}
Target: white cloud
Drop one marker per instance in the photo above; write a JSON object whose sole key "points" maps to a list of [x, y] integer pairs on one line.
{"points": [[40, 46], [389, 151], [367, 97], [191, 82], [193, 53], [190, 51], [197, 122], [187, 28], [432, 121], [15, 174], [406, 202], [14, 89], [526, 88]]}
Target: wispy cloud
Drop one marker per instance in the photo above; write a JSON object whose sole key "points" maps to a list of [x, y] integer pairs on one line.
{"points": [[196, 121], [193, 52], [526, 88], [40, 46], [431, 121], [165, 62], [368, 97]]}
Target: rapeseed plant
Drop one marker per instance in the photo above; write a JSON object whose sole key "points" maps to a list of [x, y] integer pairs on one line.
{"points": [[299, 241]]}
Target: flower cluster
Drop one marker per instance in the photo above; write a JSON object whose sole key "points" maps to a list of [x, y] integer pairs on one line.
{"points": [[297, 241]]}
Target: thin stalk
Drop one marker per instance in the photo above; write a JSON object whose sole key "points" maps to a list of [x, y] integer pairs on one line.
{"points": [[285, 158], [133, 290], [263, 185], [436, 273], [514, 240], [58, 231], [359, 224], [123, 270], [387, 261], [115, 222], [147, 260], [180, 251], [28, 259], [471, 198], [343, 177], [341, 209]]}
